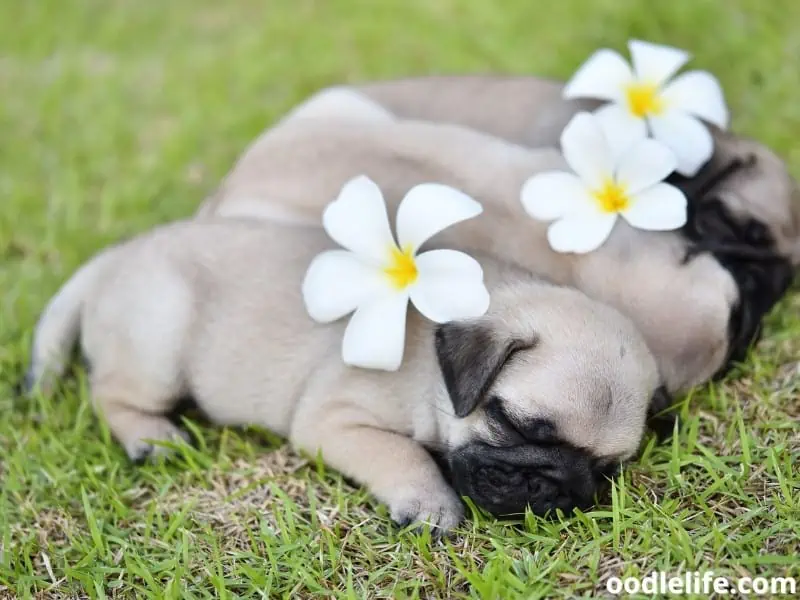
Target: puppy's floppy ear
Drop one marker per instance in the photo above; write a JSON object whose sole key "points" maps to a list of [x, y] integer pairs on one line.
{"points": [[658, 419], [471, 357]]}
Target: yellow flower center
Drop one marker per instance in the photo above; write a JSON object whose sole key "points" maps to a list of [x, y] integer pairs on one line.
{"points": [[402, 270], [644, 100], [612, 197]]}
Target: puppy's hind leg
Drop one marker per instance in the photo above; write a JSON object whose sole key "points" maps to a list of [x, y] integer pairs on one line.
{"points": [[135, 343], [136, 416]]}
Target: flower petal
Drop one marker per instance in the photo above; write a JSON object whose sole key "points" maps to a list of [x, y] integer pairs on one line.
{"points": [[604, 76], [551, 195], [429, 208], [337, 282], [687, 137], [659, 208], [450, 299], [580, 234], [700, 94], [621, 127], [450, 286], [644, 164], [448, 263], [357, 220], [654, 63], [586, 149], [375, 336]]}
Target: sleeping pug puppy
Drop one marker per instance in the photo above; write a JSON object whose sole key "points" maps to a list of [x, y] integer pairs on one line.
{"points": [[698, 295], [533, 404], [744, 205]]}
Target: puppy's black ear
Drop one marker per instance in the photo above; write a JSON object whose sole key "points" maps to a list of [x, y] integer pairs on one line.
{"points": [[471, 357], [659, 418]]}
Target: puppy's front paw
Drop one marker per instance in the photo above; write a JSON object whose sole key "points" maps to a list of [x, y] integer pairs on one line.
{"points": [[440, 508]]}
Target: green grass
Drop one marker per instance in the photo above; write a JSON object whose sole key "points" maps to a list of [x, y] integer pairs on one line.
{"points": [[116, 115]]}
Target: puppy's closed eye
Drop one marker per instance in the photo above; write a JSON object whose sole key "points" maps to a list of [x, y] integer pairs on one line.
{"points": [[711, 175], [513, 431], [504, 430]]}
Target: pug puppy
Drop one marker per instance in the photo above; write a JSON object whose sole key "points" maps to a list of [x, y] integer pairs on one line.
{"points": [[533, 404], [698, 295]]}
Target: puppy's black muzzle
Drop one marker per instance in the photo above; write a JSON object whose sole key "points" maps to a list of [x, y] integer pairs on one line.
{"points": [[504, 481], [743, 246]]}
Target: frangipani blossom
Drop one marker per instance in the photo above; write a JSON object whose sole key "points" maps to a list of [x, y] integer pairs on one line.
{"points": [[375, 276], [645, 99], [584, 206]]}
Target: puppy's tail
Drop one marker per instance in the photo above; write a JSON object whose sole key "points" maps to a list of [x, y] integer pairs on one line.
{"points": [[59, 326]]}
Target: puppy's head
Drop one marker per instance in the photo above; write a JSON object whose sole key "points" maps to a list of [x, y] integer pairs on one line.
{"points": [[744, 209], [699, 297], [550, 392]]}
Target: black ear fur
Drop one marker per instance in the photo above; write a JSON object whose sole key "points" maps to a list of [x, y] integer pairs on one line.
{"points": [[471, 357], [658, 419]]}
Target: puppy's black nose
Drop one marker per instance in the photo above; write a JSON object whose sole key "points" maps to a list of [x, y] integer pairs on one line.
{"points": [[506, 481]]}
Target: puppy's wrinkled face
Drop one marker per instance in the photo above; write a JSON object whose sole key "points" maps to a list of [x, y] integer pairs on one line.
{"points": [[744, 209], [548, 400], [753, 184]]}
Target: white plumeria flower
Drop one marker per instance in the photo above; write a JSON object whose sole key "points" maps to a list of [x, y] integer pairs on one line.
{"points": [[644, 99], [375, 276], [584, 207]]}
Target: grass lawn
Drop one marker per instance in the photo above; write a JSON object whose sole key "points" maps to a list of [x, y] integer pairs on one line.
{"points": [[116, 115]]}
